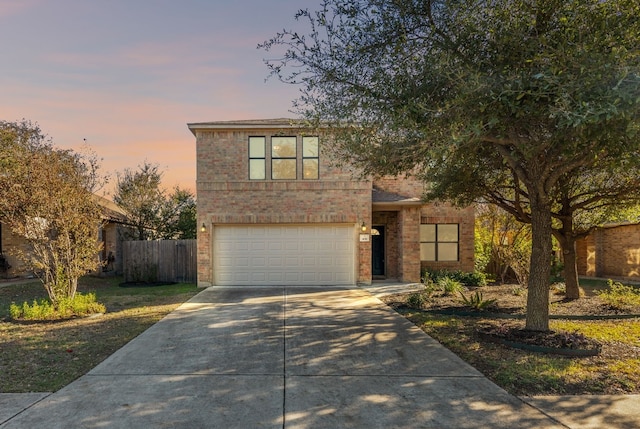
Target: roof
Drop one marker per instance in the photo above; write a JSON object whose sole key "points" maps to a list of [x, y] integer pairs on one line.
{"points": [[110, 210], [383, 197], [277, 123]]}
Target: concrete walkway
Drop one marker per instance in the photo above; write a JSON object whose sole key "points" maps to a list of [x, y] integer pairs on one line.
{"points": [[280, 358]]}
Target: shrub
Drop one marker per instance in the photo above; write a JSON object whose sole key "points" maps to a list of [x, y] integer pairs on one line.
{"points": [[477, 302], [38, 310], [417, 300], [80, 305], [450, 286], [432, 276], [475, 278], [620, 296]]}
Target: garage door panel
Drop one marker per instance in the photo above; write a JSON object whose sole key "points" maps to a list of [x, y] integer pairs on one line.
{"points": [[284, 255], [276, 262], [256, 245]]}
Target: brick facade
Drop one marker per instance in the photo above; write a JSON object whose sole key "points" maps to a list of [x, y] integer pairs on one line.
{"points": [[226, 196], [11, 245], [610, 252]]}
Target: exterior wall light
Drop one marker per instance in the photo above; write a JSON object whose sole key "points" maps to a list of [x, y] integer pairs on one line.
{"points": [[203, 228], [363, 227]]}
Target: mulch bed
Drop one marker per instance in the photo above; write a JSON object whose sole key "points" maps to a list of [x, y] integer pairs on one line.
{"points": [[511, 304]]}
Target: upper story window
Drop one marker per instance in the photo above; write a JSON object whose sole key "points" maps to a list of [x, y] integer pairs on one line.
{"points": [[283, 158], [257, 158], [439, 242], [310, 158]]}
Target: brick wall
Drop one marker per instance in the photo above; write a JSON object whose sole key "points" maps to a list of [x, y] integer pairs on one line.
{"points": [[407, 186], [429, 213], [610, 252], [586, 256], [11, 244], [227, 196], [409, 244], [465, 218]]}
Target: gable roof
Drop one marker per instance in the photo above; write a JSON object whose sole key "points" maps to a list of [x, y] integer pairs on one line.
{"points": [[111, 211]]}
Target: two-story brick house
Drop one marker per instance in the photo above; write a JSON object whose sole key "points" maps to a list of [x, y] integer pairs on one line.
{"points": [[274, 210]]}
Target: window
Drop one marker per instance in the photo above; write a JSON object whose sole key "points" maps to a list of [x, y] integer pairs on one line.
{"points": [[310, 158], [439, 242], [257, 158], [283, 158]]}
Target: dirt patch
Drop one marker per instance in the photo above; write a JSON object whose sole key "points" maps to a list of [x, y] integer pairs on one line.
{"points": [[512, 299]]}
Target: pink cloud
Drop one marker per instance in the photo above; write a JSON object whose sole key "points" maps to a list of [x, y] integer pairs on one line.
{"points": [[15, 7]]}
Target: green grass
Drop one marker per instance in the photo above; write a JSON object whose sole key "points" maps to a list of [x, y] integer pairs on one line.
{"points": [[626, 332], [593, 285], [46, 356]]}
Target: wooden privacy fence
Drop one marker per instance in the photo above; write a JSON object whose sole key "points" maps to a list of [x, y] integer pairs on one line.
{"points": [[159, 261]]}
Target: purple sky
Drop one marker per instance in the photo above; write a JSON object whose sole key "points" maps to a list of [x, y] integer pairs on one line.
{"points": [[127, 75]]}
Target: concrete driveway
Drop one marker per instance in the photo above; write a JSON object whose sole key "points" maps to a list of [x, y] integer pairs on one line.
{"points": [[279, 357]]}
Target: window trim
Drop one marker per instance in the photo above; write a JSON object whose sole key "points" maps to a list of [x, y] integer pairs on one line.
{"points": [[268, 157], [316, 157], [263, 158], [277, 158], [437, 241]]}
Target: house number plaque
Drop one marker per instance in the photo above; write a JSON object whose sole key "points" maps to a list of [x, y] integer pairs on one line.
{"points": [[364, 237]]}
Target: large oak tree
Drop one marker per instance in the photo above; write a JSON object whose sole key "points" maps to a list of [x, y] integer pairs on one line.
{"points": [[539, 89]]}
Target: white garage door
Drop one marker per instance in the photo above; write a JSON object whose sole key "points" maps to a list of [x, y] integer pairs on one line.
{"points": [[284, 255]]}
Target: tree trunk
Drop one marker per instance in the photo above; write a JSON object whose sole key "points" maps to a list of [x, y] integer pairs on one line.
{"points": [[540, 269], [570, 270]]}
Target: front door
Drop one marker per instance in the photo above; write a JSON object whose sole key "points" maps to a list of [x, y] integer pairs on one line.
{"points": [[377, 251]]}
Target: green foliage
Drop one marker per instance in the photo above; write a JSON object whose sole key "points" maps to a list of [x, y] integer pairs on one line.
{"points": [[46, 199], [143, 273], [482, 252], [449, 285], [79, 305], [504, 242], [475, 278], [179, 216], [417, 300], [476, 301], [154, 213], [557, 268], [138, 193], [500, 101], [620, 296]]}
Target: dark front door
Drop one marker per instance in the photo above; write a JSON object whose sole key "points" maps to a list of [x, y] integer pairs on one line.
{"points": [[377, 251]]}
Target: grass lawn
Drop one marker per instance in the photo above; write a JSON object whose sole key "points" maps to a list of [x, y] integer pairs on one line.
{"points": [[46, 356]]}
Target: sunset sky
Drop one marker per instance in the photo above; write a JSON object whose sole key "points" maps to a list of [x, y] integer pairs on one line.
{"points": [[128, 75]]}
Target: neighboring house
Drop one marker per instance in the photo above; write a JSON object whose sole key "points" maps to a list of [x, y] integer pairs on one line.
{"points": [[110, 233], [610, 251], [115, 229], [274, 210]]}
